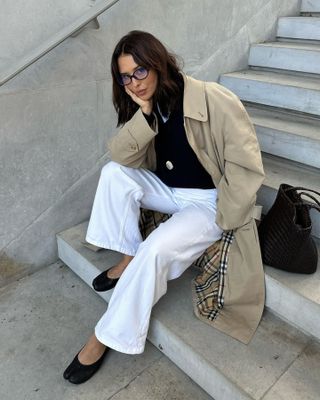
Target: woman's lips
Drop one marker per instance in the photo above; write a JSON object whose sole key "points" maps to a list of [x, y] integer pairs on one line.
{"points": [[141, 92]]}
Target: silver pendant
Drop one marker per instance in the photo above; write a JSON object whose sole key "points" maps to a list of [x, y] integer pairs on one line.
{"points": [[169, 165]]}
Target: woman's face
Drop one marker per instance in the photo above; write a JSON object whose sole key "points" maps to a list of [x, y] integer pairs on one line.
{"points": [[144, 88]]}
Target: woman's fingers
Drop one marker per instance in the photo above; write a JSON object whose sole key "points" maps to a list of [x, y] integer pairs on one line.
{"points": [[146, 105], [134, 97]]}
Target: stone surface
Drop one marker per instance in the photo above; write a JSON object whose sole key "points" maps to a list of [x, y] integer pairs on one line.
{"points": [[310, 5], [288, 56], [298, 93], [45, 162], [299, 28], [292, 136], [172, 385], [45, 319], [33, 23], [39, 236], [221, 365], [301, 381]]}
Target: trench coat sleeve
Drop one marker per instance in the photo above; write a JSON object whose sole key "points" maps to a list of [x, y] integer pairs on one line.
{"points": [[243, 169], [129, 146]]}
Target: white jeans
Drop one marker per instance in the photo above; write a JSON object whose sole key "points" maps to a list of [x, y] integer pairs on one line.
{"points": [[166, 253]]}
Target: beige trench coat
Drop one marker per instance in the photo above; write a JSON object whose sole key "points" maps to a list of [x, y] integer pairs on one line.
{"points": [[222, 136]]}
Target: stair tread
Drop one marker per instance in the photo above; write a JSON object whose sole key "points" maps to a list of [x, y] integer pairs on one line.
{"points": [[272, 351], [294, 124], [290, 45], [278, 78], [306, 285], [302, 19], [279, 170]]}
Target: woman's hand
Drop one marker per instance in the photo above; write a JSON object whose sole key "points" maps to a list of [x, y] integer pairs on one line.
{"points": [[145, 105]]}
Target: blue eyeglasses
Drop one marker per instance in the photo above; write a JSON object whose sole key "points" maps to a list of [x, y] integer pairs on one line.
{"points": [[139, 74]]}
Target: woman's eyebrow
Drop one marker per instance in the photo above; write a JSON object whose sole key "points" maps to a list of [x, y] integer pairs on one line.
{"points": [[133, 71]]}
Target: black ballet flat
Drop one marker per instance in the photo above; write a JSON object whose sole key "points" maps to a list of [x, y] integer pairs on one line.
{"points": [[77, 373], [102, 282]]}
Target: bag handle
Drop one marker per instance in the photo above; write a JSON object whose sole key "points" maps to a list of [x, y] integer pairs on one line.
{"points": [[303, 193], [310, 205]]}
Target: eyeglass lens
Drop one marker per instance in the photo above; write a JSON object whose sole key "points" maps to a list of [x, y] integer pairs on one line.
{"points": [[139, 74]]}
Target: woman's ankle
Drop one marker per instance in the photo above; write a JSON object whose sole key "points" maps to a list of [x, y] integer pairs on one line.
{"points": [[91, 351], [125, 261], [117, 270]]}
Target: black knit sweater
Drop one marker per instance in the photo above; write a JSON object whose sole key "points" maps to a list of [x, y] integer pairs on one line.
{"points": [[177, 163]]}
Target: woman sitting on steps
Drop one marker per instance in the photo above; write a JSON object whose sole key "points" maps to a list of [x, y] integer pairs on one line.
{"points": [[176, 133]]}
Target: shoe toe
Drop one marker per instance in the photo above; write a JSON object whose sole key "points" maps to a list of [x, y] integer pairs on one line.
{"points": [[102, 282], [71, 368], [81, 373]]}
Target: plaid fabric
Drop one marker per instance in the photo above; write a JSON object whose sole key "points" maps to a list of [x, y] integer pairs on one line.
{"points": [[213, 265]]}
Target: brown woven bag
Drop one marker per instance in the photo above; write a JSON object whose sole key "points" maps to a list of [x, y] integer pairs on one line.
{"points": [[285, 232]]}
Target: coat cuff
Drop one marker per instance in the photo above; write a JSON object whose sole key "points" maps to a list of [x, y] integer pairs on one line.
{"points": [[140, 129]]}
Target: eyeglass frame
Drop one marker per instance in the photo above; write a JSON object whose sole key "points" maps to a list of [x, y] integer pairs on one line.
{"points": [[132, 76]]}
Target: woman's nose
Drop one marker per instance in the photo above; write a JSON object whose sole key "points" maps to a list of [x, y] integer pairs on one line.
{"points": [[135, 82]]}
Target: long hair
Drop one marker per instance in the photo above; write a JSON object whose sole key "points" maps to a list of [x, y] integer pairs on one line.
{"points": [[148, 52]]}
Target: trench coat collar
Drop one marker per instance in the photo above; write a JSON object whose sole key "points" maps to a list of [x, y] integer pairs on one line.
{"points": [[194, 99]]}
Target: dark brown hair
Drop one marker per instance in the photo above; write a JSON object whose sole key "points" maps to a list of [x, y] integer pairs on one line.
{"points": [[147, 51]]}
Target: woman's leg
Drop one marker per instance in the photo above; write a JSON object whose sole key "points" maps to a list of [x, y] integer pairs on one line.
{"points": [[92, 351], [114, 221], [116, 209], [116, 271], [165, 254]]}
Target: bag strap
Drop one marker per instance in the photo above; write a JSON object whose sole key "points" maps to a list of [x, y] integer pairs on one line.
{"points": [[301, 188], [316, 206], [311, 205]]}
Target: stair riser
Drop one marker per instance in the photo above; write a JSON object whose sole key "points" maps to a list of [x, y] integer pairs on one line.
{"points": [[310, 6], [292, 147], [300, 28], [292, 307], [196, 367], [272, 94], [266, 197], [285, 59], [200, 371], [80, 266]]}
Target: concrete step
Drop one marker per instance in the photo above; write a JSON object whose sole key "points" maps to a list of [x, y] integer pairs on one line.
{"points": [[288, 135], [295, 297], [298, 93], [307, 28], [279, 170], [45, 319], [222, 366], [310, 6], [301, 57]]}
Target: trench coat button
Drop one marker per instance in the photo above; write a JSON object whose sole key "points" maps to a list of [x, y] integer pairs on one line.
{"points": [[169, 165], [133, 147]]}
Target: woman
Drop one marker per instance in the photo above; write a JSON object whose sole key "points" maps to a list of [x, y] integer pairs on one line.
{"points": [[186, 148]]}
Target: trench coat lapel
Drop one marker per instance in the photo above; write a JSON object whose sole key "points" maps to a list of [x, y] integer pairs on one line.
{"points": [[194, 101]]}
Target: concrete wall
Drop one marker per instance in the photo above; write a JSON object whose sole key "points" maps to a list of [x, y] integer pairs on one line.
{"points": [[25, 24], [57, 115]]}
